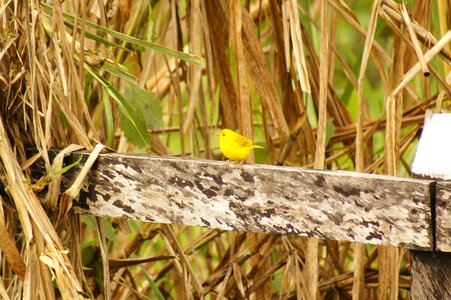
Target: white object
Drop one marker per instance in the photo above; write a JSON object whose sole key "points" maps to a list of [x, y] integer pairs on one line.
{"points": [[433, 157]]}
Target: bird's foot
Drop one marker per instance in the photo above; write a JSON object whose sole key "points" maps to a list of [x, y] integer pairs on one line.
{"points": [[240, 165], [226, 165], [233, 166]]}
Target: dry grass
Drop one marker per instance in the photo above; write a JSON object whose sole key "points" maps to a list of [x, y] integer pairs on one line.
{"points": [[324, 84]]}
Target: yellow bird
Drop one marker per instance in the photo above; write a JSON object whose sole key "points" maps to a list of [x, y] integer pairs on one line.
{"points": [[234, 146]]}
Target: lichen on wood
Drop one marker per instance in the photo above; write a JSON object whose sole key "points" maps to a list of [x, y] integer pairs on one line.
{"points": [[335, 205], [443, 216]]}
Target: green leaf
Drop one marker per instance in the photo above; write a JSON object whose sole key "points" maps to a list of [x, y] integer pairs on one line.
{"points": [[119, 71], [87, 253], [109, 118], [133, 124], [145, 102], [132, 121], [156, 291], [194, 59], [110, 232], [330, 130], [67, 168], [90, 221]]}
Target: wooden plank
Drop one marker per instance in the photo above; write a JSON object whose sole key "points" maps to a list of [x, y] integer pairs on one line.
{"points": [[431, 275], [443, 216], [335, 205]]}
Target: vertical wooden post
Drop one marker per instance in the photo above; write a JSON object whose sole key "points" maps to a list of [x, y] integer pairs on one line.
{"points": [[431, 275], [431, 271]]}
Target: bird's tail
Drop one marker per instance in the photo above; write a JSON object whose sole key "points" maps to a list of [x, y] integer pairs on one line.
{"points": [[256, 146]]}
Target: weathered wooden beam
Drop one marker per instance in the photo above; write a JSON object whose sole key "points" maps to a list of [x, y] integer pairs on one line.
{"points": [[431, 275], [261, 198], [443, 216]]}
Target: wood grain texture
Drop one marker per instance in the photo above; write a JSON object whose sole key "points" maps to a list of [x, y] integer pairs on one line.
{"points": [[335, 205], [431, 275], [443, 216]]}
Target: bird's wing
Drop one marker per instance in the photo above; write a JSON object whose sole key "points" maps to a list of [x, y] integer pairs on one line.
{"points": [[242, 141]]}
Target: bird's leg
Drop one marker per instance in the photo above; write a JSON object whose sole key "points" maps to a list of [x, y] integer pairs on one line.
{"points": [[227, 164], [240, 164]]}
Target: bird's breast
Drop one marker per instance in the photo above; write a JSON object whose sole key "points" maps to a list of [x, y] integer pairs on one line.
{"points": [[233, 151]]}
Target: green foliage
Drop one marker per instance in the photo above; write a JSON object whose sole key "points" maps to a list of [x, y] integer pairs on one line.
{"points": [[156, 293], [132, 121], [330, 130], [145, 102], [119, 71], [133, 125], [70, 19]]}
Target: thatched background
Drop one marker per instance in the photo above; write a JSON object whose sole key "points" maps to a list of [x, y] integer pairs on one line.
{"points": [[324, 84]]}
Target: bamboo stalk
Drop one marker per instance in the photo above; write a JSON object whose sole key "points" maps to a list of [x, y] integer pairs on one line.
{"points": [[431, 53], [414, 39], [360, 249], [311, 266]]}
